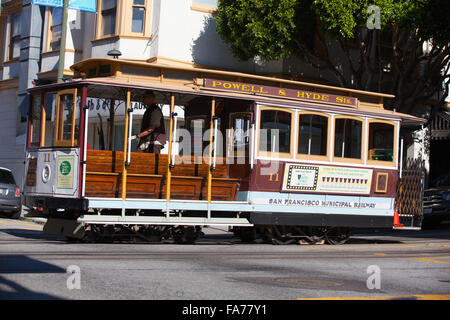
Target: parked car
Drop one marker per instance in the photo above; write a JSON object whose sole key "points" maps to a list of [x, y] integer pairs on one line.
{"points": [[10, 198], [436, 204]]}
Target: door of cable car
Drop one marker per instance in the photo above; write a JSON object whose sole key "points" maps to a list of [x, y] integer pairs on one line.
{"points": [[53, 157]]}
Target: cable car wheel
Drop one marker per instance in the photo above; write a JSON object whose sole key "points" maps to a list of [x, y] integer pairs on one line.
{"points": [[186, 234], [284, 235], [337, 235], [246, 234]]}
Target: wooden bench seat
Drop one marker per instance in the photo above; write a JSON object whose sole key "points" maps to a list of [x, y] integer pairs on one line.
{"points": [[146, 178]]}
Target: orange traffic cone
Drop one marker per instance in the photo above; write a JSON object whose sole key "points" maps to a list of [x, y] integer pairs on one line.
{"points": [[397, 223]]}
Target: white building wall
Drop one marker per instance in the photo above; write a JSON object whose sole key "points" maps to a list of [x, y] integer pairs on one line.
{"points": [[135, 49], [188, 35]]}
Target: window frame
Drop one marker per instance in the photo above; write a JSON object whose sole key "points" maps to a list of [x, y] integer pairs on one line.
{"points": [[46, 130], [100, 19], [50, 31], [123, 21], [392, 163], [276, 155], [300, 156], [144, 22], [38, 142], [11, 38], [58, 140], [363, 140]]}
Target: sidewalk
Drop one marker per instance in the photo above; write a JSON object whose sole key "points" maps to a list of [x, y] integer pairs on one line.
{"points": [[34, 217]]}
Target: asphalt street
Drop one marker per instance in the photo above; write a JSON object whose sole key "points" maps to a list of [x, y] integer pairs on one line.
{"points": [[376, 265]]}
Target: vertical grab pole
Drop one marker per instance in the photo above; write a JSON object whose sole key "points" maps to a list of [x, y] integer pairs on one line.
{"points": [[125, 149], [130, 127], [401, 157], [82, 140], [169, 156], [252, 145], [86, 115], [174, 138], [254, 138], [216, 125], [211, 129], [422, 146]]}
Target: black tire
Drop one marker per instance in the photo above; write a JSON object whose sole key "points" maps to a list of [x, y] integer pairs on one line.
{"points": [[16, 214]]}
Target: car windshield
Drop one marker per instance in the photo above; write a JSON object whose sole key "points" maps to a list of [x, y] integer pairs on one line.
{"points": [[442, 181], [6, 177]]}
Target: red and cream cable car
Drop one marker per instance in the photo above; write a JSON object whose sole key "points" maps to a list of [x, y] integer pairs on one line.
{"points": [[271, 158]]}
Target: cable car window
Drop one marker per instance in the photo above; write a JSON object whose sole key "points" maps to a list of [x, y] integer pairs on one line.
{"points": [[276, 126], [66, 116], [381, 141], [313, 134], [347, 138], [36, 120], [240, 129], [50, 114], [77, 118]]}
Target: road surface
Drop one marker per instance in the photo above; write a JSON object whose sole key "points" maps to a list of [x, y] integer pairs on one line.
{"points": [[389, 265]]}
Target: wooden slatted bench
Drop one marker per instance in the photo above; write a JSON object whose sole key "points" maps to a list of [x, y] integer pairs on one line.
{"points": [[146, 178]]}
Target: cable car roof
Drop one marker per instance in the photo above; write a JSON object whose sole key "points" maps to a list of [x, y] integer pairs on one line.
{"points": [[108, 78]]}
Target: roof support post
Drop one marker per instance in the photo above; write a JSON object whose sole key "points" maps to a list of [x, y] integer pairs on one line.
{"points": [[125, 149], [210, 167], [169, 156]]}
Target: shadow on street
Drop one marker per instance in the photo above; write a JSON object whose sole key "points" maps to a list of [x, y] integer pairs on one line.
{"points": [[15, 264]]}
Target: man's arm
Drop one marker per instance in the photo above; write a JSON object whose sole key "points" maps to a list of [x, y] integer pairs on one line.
{"points": [[145, 132]]}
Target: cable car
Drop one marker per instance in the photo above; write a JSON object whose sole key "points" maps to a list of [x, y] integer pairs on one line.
{"points": [[281, 160]]}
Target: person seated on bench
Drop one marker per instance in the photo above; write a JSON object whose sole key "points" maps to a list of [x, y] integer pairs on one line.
{"points": [[152, 136]]}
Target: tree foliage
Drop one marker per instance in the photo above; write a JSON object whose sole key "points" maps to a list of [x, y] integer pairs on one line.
{"points": [[408, 55]]}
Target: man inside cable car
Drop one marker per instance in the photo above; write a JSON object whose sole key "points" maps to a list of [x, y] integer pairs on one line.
{"points": [[152, 136]]}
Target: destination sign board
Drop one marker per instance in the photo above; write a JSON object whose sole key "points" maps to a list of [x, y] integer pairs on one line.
{"points": [[281, 92]]}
